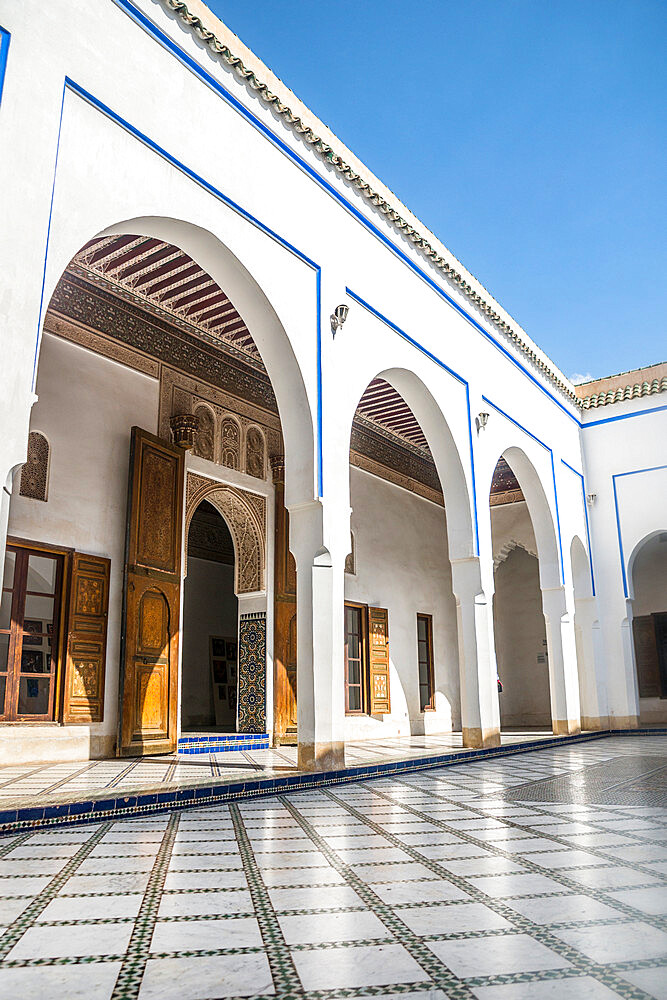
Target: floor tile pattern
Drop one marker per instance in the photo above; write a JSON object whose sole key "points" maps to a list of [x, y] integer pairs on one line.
{"points": [[69, 781], [446, 883]]}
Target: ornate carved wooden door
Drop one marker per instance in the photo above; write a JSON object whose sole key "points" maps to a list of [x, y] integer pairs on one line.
{"points": [[149, 636], [87, 639], [284, 627], [378, 660]]}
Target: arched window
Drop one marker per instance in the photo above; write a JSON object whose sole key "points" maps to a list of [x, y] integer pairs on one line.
{"points": [[35, 472]]}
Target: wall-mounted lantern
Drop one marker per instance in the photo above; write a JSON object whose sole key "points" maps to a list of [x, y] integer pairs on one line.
{"points": [[338, 317]]}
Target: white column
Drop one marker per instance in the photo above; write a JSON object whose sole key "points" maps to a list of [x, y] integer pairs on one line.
{"points": [[563, 679], [480, 716], [319, 624], [592, 692], [624, 711]]}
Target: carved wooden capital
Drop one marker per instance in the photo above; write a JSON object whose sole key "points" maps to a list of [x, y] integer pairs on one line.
{"points": [[184, 427], [278, 468]]}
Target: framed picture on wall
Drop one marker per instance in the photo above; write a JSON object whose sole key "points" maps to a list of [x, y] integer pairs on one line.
{"points": [[32, 661], [31, 629], [218, 647], [223, 673]]}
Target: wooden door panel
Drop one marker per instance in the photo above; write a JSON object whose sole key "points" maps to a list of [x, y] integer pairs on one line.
{"points": [[284, 623], [151, 709], [155, 534], [153, 632], [378, 660], [87, 639], [149, 680]]}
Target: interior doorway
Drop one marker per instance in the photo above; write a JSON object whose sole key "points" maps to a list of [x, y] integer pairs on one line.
{"points": [[209, 673]]}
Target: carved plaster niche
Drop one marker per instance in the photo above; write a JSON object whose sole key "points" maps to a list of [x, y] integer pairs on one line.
{"points": [[351, 557], [204, 444], [254, 453], [35, 472], [180, 393], [245, 514], [507, 550], [230, 443]]}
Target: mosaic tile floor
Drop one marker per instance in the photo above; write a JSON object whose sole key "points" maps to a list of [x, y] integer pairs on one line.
{"points": [[32, 783], [439, 884]]}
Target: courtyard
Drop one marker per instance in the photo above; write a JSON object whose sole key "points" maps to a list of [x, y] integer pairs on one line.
{"points": [[541, 875]]}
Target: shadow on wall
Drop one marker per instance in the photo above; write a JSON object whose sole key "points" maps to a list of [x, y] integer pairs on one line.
{"points": [[649, 626], [521, 643]]}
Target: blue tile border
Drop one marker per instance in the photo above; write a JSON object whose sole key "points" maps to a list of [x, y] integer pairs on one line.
{"points": [[23, 818], [222, 743]]}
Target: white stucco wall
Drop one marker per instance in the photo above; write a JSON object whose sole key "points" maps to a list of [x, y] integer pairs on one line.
{"points": [[87, 424], [626, 470], [650, 577], [210, 607], [402, 564]]}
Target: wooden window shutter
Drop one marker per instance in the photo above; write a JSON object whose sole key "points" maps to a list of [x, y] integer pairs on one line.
{"points": [[646, 656], [378, 660], [86, 639]]}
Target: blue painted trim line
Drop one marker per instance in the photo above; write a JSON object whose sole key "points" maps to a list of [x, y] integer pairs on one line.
{"points": [[588, 533], [113, 807], [553, 475], [621, 475], [623, 416], [191, 64], [5, 39], [441, 364]]}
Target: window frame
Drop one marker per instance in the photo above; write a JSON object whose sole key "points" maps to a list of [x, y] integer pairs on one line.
{"points": [[362, 609], [24, 549], [429, 705]]}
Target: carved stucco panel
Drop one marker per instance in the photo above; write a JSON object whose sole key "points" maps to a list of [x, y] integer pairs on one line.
{"points": [[245, 514]]}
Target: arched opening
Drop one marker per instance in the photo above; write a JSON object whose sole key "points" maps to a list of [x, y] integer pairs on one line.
{"points": [[648, 573], [209, 673], [522, 654], [401, 640], [157, 338]]}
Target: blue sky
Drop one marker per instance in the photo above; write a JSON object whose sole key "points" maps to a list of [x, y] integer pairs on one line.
{"points": [[529, 135]]}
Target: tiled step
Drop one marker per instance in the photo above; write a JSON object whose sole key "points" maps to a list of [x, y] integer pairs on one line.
{"points": [[222, 742]]}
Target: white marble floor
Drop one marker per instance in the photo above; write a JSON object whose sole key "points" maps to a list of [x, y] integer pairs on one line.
{"points": [[536, 877]]}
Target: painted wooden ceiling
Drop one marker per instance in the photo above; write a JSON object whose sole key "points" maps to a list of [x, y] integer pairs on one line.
{"points": [[163, 276]]}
